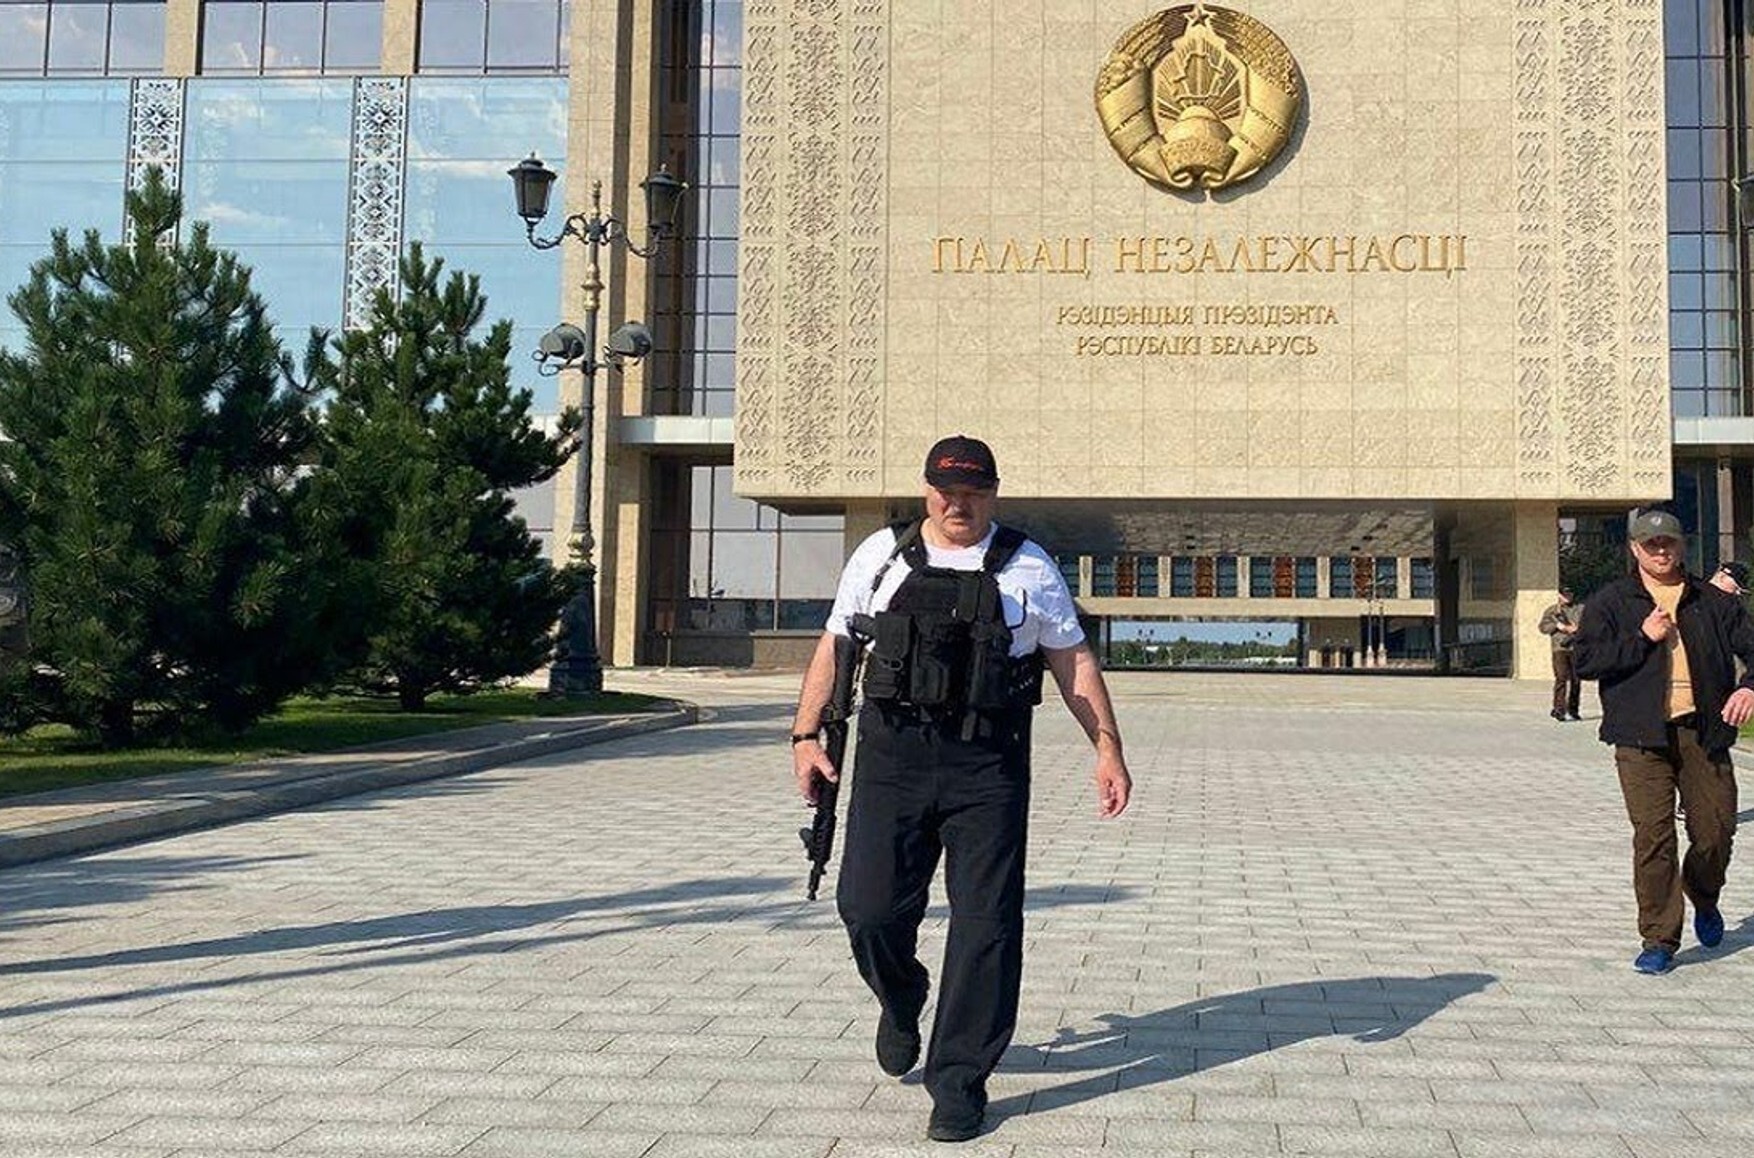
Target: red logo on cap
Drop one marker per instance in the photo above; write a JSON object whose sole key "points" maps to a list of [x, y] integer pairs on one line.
{"points": [[949, 463]]}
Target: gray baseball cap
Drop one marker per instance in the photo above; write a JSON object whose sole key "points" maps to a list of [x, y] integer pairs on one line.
{"points": [[1653, 525]]}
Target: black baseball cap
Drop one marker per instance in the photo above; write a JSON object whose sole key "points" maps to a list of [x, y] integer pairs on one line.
{"points": [[1655, 524], [1736, 570], [961, 461]]}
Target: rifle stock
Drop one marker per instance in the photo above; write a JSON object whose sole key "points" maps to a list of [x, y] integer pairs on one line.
{"points": [[819, 837]]}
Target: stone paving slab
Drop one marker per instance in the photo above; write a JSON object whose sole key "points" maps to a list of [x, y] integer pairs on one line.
{"points": [[1345, 916], [45, 825]]}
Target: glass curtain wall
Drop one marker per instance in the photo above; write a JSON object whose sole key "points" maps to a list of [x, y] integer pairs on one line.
{"points": [[81, 38], [718, 563], [463, 133], [746, 567], [265, 164], [695, 314], [1703, 94], [61, 167], [493, 36], [291, 36]]}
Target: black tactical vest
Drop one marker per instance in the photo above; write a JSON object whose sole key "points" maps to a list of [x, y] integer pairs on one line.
{"points": [[943, 645]]}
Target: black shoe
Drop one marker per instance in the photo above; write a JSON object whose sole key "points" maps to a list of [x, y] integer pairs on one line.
{"points": [[898, 1047], [956, 1123], [1574, 716], [1557, 715]]}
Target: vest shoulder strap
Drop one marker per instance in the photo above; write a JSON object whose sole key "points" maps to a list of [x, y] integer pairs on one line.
{"points": [[1007, 541], [909, 545]]}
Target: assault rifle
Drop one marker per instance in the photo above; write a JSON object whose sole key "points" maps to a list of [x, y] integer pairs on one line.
{"points": [[819, 837]]}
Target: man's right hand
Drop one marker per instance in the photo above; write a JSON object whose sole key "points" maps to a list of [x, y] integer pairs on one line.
{"points": [[810, 764], [1658, 626]]}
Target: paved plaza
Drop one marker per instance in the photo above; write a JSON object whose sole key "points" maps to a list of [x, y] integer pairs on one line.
{"points": [[1344, 916]]}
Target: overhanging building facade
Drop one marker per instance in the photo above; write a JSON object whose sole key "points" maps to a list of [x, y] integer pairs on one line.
{"points": [[1453, 285]]}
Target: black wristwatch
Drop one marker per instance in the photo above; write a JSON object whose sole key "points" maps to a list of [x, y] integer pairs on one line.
{"points": [[800, 737]]}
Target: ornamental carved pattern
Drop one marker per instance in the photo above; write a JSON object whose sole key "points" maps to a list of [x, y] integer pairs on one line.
{"points": [[1536, 449], [374, 208], [758, 281], [815, 129], [1591, 408], [1592, 394], [155, 129], [1648, 422]]}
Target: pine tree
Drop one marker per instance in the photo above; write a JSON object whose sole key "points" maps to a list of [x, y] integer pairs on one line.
{"points": [[149, 486], [424, 441]]}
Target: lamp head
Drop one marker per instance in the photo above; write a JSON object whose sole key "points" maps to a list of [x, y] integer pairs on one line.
{"points": [[564, 343], [630, 341], [663, 201], [532, 181]]}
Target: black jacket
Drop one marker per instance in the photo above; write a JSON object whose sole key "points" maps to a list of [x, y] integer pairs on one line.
{"points": [[1610, 646]]}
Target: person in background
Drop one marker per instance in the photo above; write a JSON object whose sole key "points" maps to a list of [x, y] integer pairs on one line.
{"points": [[1559, 622]]}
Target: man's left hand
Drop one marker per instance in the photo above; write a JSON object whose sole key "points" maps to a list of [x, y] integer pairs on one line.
{"points": [[1739, 708], [1114, 786]]}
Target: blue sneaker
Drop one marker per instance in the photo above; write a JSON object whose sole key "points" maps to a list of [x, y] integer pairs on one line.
{"points": [[1708, 924], [1654, 960]]}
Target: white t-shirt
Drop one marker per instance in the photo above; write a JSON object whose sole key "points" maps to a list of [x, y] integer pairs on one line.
{"points": [[1038, 608]]}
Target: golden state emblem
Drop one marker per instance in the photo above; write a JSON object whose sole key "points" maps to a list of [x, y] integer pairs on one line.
{"points": [[1199, 97]]}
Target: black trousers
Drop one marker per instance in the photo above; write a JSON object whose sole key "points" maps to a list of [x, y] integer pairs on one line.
{"points": [[1566, 686], [921, 791]]}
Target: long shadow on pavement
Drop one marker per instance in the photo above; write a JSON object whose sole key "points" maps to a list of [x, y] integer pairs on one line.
{"points": [[1736, 939], [1134, 1051], [457, 933], [29, 895]]}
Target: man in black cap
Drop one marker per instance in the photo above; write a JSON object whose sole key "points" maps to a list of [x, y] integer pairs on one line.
{"points": [[1664, 646], [961, 614], [1559, 621]]}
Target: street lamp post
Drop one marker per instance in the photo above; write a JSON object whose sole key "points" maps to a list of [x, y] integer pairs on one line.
{"points": [[578, 668]]}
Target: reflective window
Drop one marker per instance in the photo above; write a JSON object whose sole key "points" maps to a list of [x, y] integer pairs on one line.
{"points": [[493, 36], [463, 134], [291, 36], [265, 163], [1181, 576], [1705, 361], [701, 92], [82, 37], [62, 161], [1304, 580], [1260, 577], [747, 567], [1340, 577], [1424, 579], [1226, 576], [1388, 577]]}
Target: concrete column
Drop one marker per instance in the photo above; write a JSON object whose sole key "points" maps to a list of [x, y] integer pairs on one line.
{"points": [[401, 36], [1244, 567], [182, 37], [864, 518], [1534, 583], [1324, 587], [1448, 587], [609, 139], [1726, 512]]}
